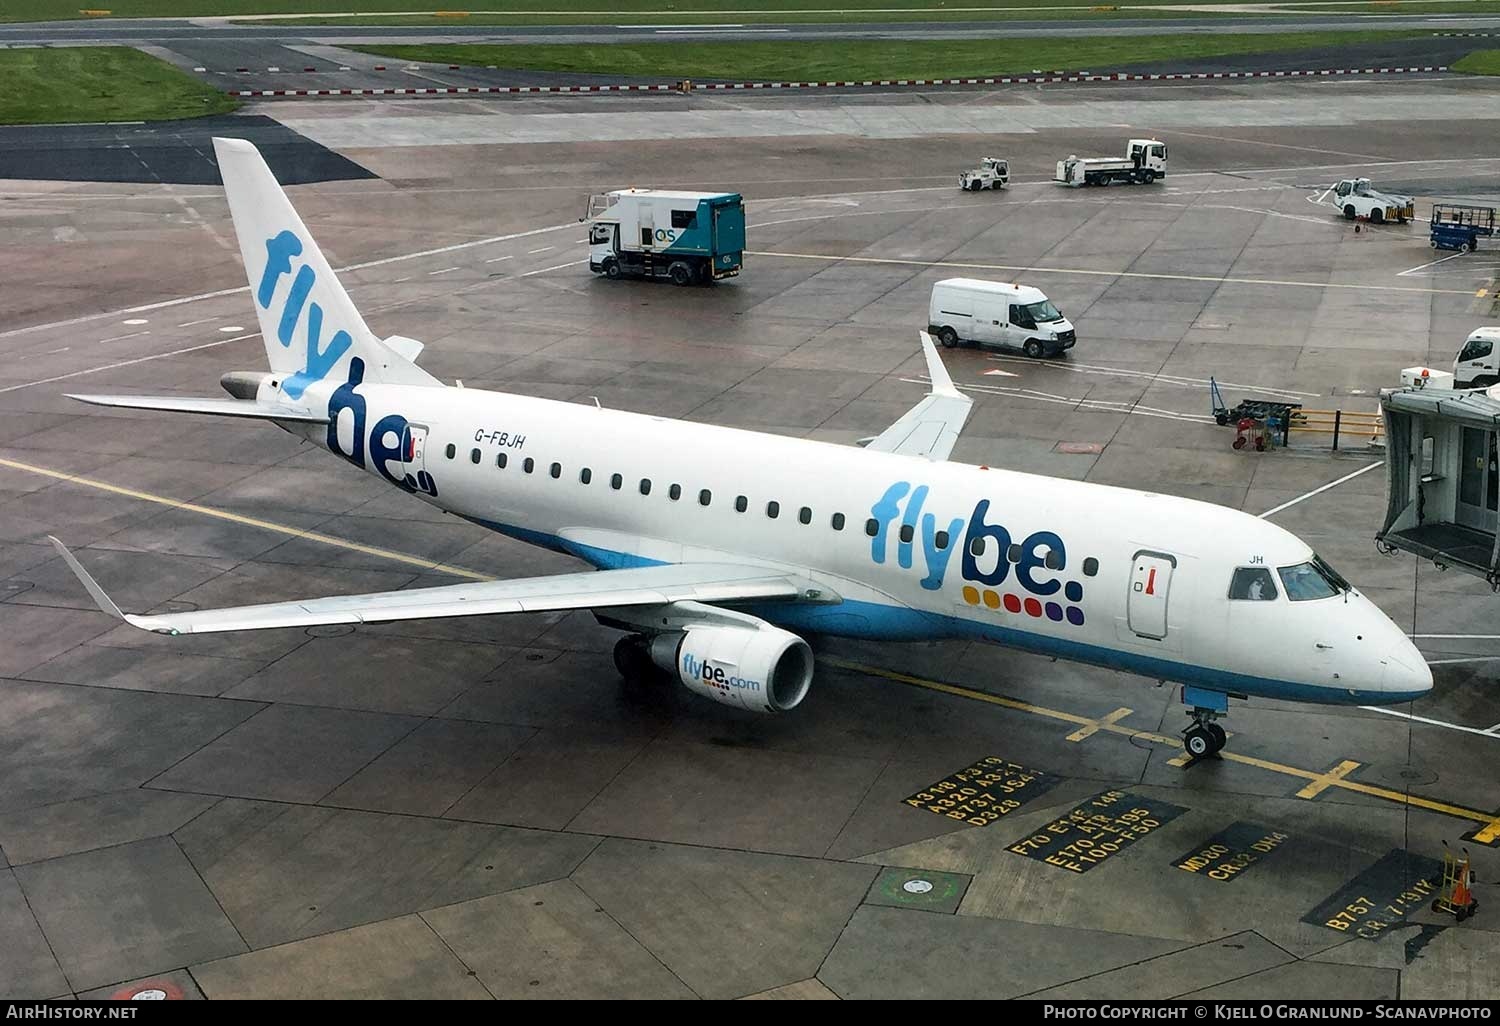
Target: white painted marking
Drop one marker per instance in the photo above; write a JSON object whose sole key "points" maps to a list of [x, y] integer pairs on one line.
{"points": [[1429, 722], [1103, 405], [135, 320], [496, 260], [122, 363], [544, 249], [1459, 637], [558, 267], [245, 288], [997, 372], [1316, 491], [443, 271], [201, 320], [1430, 263], [1154, 376], [1465, 659], [117, 338], [64, 349], [230, 329], [712, 31]]}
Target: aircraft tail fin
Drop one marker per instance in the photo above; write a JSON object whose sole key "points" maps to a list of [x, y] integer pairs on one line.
{"points": [[311, 327]]}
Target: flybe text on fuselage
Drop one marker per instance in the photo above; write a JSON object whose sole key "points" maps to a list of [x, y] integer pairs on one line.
{"points": [[989, 558]]}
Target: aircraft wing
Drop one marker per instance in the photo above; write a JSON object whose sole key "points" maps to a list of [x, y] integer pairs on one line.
{"points": [[215, 407], [931, 427], [651, 585]]}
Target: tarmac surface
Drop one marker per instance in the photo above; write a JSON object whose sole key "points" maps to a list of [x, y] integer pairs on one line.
{"points": [[477, 808]]}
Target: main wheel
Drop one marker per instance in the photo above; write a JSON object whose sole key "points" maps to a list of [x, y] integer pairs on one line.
{"points": [[1216, 732], [1377, 216], [1032, 348], [1432, 243], [975, 186], [612, 269], [632, 659], [1197, 742], [1469, 246], [1349, 214], [681, 273], [1148, 176], [948, 337]]}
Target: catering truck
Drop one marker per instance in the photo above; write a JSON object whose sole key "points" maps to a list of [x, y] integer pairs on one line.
{"points": [[1145, 161], [993, 313], [654, 233]]}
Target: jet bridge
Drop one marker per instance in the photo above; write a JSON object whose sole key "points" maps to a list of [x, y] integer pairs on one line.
{"points": [[1443, 477]]}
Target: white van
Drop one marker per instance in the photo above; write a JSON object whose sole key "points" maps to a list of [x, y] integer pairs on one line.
{"points": [[994, 313], [1478, 362]]}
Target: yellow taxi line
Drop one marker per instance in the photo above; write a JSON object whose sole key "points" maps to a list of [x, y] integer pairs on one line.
{"points": [[1330, 779], [265, 525]]}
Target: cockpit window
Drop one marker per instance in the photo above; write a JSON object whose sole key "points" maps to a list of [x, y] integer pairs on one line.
{"points": [[1314, 580], [1252, 584]]}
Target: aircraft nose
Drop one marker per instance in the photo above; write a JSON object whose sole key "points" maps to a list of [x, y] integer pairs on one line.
{"points": [[1407, 675]]}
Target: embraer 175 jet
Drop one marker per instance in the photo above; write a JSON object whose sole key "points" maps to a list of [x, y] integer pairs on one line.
{"points": [[717, 548]]}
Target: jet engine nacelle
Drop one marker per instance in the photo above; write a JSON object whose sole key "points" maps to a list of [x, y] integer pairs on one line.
{"points": [[763, 669]]}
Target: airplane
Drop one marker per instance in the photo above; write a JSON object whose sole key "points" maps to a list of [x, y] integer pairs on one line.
{"points": [[717, 549]]}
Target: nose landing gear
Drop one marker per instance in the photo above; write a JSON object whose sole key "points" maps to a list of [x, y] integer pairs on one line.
{"points": [[1203, 737]]}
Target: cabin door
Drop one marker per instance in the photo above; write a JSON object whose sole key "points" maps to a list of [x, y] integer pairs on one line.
{"points": [[1150, 588]]}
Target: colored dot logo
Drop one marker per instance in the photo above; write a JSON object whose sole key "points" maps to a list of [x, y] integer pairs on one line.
{"points": [[1018, 605]]}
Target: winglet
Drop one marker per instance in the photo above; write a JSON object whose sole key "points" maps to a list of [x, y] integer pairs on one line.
{"points": [[942, 384], [102, 600]]}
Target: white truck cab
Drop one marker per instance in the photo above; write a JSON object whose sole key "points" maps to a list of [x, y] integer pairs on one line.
{"points": [[1356, 197], [1478, 362], [992, 313]]}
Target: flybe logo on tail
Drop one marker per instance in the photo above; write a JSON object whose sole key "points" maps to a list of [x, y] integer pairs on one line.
{"points": [[1034, 565], [320, 359]]}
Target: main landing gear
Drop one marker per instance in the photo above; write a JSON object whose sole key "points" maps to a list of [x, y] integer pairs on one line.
{"points": [[1203, 737]]}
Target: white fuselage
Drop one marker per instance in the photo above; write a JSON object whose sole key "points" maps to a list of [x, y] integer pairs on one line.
{"points": [[1134, 580]]}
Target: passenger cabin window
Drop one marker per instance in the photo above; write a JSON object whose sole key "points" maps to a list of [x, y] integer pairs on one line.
{"points": [[474, 456], [1314, 580], [976, 547], [585, 476], [555, 470], [684, 218], [675, 492], [1090, 567], [452, 450], [805, 515], [741, 504], [645, 486], [1252, 584], [773, 509], [528, 464], [838, 522], [907, 533], [1013, 554], [872, 527], [615, 481], [501, 460], [940, 540], [705, 497], [1054, 560]]}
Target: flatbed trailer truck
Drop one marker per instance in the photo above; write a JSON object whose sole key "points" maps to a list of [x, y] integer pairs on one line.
{"points": [[1144, 162]]}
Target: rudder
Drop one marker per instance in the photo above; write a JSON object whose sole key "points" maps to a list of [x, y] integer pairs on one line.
{"points": [[310, 326]]}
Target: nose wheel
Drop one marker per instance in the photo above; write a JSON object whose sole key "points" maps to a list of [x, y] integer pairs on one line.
{"points": [[1203, 737]]}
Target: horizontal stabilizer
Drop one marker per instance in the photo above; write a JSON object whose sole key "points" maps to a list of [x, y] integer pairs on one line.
{"points": [[931, 427], [599, 589], [212, 407]]}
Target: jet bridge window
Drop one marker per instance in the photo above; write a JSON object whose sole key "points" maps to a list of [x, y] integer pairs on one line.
{"points": [[1314, 580], [1252, 584], [684, 218]]}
